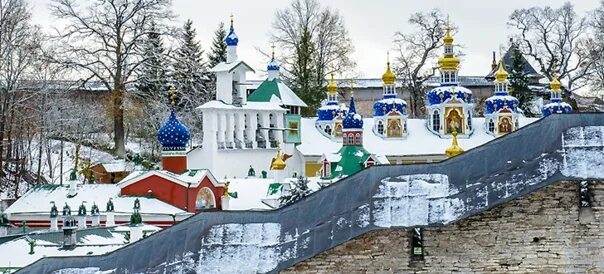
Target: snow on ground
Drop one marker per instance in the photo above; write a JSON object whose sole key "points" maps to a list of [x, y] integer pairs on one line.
{"points": [[69, 150], [420, 141]]}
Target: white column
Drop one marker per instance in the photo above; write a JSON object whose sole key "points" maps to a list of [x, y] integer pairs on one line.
{"points": [[209, 129], [96, 220], [231, 54], [230, 128], [240, 127], [252, 126], [110, 219], [225, 202], [81, 222], [54, 224], [280, 121], [221, 125], [265, 124]]}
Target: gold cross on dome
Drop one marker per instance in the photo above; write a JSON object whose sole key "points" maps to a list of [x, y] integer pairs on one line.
{"points": [[172, 95], [273, 46], [232, 19]]}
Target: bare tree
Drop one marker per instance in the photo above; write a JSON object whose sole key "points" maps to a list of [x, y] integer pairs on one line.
{"points": [[19, 47], [417, 54], [597, 24], [101, 41], [313, 43], [555, 36]]}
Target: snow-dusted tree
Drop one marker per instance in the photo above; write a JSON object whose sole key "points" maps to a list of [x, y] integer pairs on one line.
{"points": [[298, 191], [417, 53], [597, 24], [101, 41], [19, 49], [307, 28], [218, 51], [152, 83], [557, 40], [190, 74]]}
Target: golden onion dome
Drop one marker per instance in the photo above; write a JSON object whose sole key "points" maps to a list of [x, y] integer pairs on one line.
{"points": [[448, 62], [501, 74], [277, 162], [448, 39], [388, 77], [332, 87], [555, 83], [454, 149]]}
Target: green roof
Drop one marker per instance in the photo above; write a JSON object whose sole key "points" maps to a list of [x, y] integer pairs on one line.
{"points": [[352, 160], [265, 91]]}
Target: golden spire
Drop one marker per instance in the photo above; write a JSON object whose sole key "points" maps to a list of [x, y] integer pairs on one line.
{"points": [[172, 95], [232, 20], [332, 87], [501, 75], [448, 61], [388, 77], [454, 149], [351, 87], [278, 163], [555, 85], [273, 54], [448, 39]]}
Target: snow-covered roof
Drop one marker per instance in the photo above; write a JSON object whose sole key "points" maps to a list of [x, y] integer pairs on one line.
{"points": [[92, 241], [116, 166], [223, 66], [420, 141], [214, 104], [331, 157], [37, 200], [250, 191], [193, 177]]}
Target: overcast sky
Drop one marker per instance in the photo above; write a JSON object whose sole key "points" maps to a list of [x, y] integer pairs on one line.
{"points": [[372, 24]]}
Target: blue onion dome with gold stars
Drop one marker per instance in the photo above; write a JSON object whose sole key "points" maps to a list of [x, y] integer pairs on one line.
{"points": [[556, 105], [332, 108], [173, 135], [442, 94], [502, 99], [387, 105], [353, 120], [389, 102], [232, 39]]}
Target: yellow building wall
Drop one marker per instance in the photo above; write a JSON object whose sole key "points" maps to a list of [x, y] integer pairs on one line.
{"points": [[311, 169]]}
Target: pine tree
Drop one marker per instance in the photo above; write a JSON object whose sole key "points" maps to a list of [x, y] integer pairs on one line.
{"points": [[304, 84], [190, 74], [299, 190], [519, 83], [153, 73], [218, 52]]}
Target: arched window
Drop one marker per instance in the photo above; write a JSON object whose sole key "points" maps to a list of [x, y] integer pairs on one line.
{"points": [[436, 121], [205, 199], [491, 125], [328, 130], [350, 139], [357, 139], [380, 128]]}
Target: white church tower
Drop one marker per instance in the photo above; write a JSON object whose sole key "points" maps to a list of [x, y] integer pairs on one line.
{"points": [[239, 133]]}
